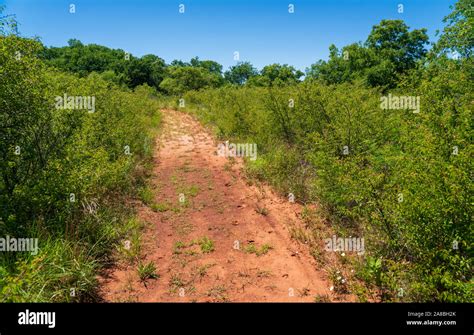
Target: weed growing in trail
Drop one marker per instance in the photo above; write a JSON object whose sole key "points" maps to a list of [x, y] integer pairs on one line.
{"points": [[262, 210], [147, 271]]}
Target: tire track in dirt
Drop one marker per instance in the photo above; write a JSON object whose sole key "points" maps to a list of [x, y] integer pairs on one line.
{"points": [[220, 205]]}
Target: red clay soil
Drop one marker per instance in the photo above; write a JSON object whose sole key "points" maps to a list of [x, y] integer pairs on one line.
{"points": [[251, 256]]}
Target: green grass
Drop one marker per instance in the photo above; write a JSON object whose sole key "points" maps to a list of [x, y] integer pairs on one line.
{"points": [[178, 246], [201, 271], [160, 207], [322, 298], [146, 195], [129, 248], [253, 249], [206, 244], [264, 274], [147, 271]]}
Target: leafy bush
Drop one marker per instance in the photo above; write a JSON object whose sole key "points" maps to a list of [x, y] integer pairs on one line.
{"points": [[337, 146]]}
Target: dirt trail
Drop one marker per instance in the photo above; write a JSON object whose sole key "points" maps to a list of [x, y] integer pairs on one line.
{"points": [[221, 205]]}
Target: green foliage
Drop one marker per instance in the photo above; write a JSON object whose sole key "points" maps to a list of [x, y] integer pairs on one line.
{"points": [[389, 51], [146, 195], [209, 65], [8, 23], [239, 74], [184, 78], [206, 244], [389, 152], [325, 140], [251, 248], [60, 169], [62, 271], [113, 64], [392, 40], [334, 144], [276, 75], [458, 35], [147, 271]]}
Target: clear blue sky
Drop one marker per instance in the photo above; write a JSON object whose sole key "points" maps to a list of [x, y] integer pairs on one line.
{"points": [[261, 30]]}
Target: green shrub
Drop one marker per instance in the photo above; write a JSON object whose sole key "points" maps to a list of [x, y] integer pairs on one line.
{"points": [[399, 179], [64, 173]]}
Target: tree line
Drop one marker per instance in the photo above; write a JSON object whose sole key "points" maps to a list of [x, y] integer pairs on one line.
{"points": [[389, 52]]}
